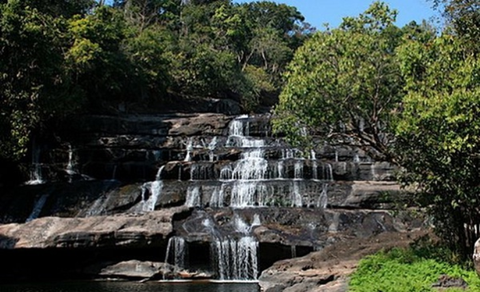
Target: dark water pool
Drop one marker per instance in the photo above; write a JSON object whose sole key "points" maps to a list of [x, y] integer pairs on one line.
{"points": [[94, 286]]}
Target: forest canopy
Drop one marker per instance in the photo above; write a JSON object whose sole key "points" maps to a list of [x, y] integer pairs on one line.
{"points": [[59, 57]]}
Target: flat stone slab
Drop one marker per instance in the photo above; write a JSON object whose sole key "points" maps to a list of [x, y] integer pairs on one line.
{"points": [[96, 231]]}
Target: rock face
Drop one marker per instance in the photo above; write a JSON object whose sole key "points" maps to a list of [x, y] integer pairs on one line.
{"points": [[203, 192], [328, 269], [95, 231]]}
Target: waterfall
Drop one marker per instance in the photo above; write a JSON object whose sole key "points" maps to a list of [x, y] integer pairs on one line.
{"points": [[154, 188], [70, 169], [280, 168], [176, 252], [356, 158], [193, 197], [36, 176], [291, 153], [240, 225], [37, 208], [323, 198], [296, 195], [189, 147], [211, 148], [314, 170], [254, 180], [217, 197], [293, 251], [298, 169], [235, 259], [238, 128], [202, 171], [328, 172]]}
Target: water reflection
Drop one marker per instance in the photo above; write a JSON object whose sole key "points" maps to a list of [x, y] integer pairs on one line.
{"points": [[130, 287]]}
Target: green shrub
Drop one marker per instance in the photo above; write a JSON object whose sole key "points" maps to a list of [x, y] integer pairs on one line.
{"points": [[404, 270]]}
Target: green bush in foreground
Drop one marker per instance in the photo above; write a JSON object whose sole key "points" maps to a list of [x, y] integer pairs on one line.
{"points": [[405, 270]]}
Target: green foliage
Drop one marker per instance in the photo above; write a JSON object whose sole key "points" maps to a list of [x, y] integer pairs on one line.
{"points": [[463, 19], [345, 82], [35, 84], [402, 270], [57, 57], [438, 134], [148, 53], [96, 59]]}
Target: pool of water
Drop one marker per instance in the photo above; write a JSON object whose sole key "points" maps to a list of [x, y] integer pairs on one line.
{"points": [[96, 286]]}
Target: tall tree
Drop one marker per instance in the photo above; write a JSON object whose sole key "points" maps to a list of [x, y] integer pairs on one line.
{"points": [[438, 134], [34, 83], [345, 82]]}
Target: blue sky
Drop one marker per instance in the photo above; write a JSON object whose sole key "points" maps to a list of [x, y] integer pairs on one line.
{"points": [[318, 12]]}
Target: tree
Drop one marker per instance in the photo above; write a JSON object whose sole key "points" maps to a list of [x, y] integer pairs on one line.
{"points": [[438, 135], [463, 18], [272, 37], [96, 59], [144, 13], [345, 82], [34, 85]]}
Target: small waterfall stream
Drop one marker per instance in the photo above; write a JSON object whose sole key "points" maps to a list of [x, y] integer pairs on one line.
{"points": [[235, 257], [36, 176], [176, 253], [37, 208], [154, 189]]}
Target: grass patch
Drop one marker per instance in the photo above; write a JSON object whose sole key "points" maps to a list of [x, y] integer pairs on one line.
{"points": [[407, 270]]}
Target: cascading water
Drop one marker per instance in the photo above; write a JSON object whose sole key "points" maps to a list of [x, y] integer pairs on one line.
{"points": [[189, 147], [70, 169], [36, 176], [265, 174], [154, 188], [193, 196], [236, 259], [235, 256], [257, 181], [37, 208], [176, 253]]}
